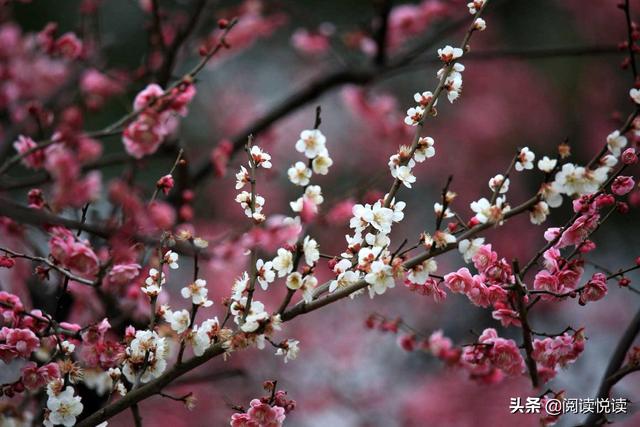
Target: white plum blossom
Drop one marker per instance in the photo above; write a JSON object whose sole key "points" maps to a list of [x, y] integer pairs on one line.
{"points": [[244, 198], [414, 116], [480, 24], [299, 174], [198, 292], [426, 240], [260, 158], [200, 243], [486, 212], [294, 281], [425, 149], [442, 239], [353, 242], [297, 204], [311, 143], [538, 213], [424, 98], [525, 159], [403, 173], [475, 5], [398, 208], [378, 240], [264, 273], [313, 193], [468, 248], [179, 320], [67, 347], [453, 81], [146, 346], [358, 221], [153, 283], [200, 336], [367, 255], [449, 53], [308, 286], [200, 342], [437, 209], [305, 284], [395, 161], [635, 95], [63, 407], [171, 259], [239, 286], [283, 262], [551, 194], [344, 279], [608, 160], [321, 163], [254, 317], [154, 277], [546, 164], [577, 180], [289, 350], [420, 273], [570, 179], [616, 142], [377, 216], [310, 250], [380, 277], [499, 181], [242, 178], [342, 266]]}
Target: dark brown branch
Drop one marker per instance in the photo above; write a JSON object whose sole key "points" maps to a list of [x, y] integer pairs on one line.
{"points": [[381, 30], [521, 291], [156, 25], [113, 159], [39, 218], [623, 372], [609, 379], [622, 272], [137, 419], [630, 41]]}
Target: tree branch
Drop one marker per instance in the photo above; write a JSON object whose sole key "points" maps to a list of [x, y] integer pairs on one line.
{"points": [[609, 379]]}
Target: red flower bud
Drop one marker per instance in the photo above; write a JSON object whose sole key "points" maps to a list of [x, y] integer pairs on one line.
{"points": [[629, 156], [7, 262]]}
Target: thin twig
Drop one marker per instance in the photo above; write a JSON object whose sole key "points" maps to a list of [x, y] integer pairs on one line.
{"points": [[66, 273]]}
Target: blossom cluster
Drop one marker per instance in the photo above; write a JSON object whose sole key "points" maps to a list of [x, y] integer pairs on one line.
{"points": [[156, 111], [312, 144], [132, 271], [267, 411], [251, 202]]}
